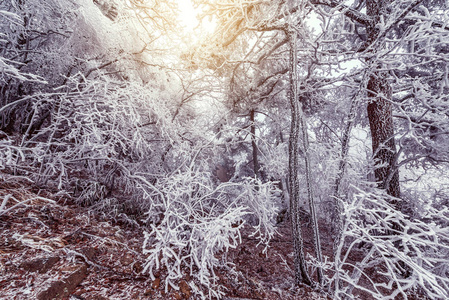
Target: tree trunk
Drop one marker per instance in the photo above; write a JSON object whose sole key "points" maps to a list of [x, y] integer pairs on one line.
{"points": [[380, 108], [315, 228], [256, 165], [301, 274], [336, 220], [382, 134]]}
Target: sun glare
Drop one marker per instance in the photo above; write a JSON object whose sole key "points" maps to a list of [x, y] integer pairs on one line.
{"points": [[188, 19], [187, 15]]}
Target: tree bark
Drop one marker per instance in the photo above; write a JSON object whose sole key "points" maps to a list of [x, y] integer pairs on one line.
{"points": [[382, 134], [255, 150], [301, 274], [380, 108], [311, 200]]}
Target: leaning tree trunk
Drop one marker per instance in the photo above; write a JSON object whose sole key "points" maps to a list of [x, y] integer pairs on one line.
{"points": [[311, 200], [336, 217], [301, 274], [380, 108]]}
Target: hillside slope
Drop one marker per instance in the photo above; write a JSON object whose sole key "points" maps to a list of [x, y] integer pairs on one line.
{"points": [[52, 248]]}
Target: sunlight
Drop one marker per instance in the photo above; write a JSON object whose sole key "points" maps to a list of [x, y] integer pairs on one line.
{"points": [[187, 15]]}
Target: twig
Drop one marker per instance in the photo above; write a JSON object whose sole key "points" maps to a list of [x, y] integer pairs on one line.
{"points": [[2, 212], [86, 260], [112, 241], [5, 200]]}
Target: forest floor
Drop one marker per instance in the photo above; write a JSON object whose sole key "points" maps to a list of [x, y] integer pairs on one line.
{"points": [[56, 249]]}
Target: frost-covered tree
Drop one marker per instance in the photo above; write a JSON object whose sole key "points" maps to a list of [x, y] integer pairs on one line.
{"points": [[254, 42], [387, 41]]}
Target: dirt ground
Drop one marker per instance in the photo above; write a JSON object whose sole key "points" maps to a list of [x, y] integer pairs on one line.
{"points": [[56, 249]]}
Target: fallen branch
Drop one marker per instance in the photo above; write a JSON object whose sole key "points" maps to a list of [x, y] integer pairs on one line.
{"points": [[4, 211]]}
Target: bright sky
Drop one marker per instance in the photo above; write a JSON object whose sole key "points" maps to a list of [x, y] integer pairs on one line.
{"points": [[188, 14], [188, 17]]}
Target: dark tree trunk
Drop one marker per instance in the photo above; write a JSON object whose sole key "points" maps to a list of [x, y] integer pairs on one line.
{"points": [[380, 107], [382, 134], [256, 165]]}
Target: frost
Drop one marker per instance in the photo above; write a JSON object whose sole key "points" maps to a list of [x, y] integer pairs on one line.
{"points": [[414, 259], [200, 222]]}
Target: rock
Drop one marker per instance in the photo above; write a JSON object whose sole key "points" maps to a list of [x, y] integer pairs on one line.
{"points": [[185, 289], [148, 292], [177, 296], [42, 264], [126, 259], [89, 252], [137, 267], [61, 289], [156, 283]]}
